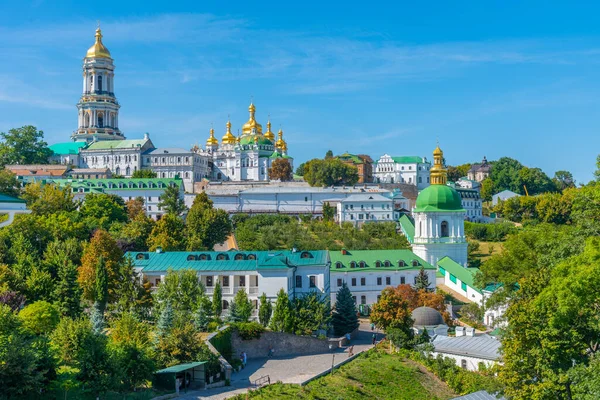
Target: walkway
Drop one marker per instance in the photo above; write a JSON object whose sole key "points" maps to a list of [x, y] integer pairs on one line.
{"points": [[285, 369]]}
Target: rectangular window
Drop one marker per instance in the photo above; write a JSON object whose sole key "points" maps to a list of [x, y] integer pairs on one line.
{"points": [[225, 281], [388, 280], [354, 299], [452, 278], [442, 271], [360, 216], [298, 281], [242, 281], [157, 282], [353, 281], [463, 286], [363, 281], [312, 281], [363, 299], [209, 281], [379, 281], [339, 282], [402, 280]]}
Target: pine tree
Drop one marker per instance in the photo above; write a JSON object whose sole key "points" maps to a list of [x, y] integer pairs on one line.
{"points": [[217, 302], [67, 292], [127, 286], [97, 317], [281, 313], [101, 294], [345, 318], [422, 282], [241, 307], [265, 310], [203, 314], [165, 320]]}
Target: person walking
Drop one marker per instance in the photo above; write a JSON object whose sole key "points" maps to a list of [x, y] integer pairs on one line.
{"points": [[372, 326], [374, 338], [244, 358]]}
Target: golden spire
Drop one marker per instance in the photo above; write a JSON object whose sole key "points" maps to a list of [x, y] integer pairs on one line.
{"points": [[212, 141], [438, 175], [269, 135], [251, 124], [228, 138], [98, 50], [281, 144]]}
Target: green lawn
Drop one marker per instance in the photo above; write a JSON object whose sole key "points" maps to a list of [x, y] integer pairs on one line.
{"points": [[373, 375]]}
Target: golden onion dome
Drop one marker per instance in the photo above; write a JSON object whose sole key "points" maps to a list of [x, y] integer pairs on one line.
{"points": [[98, 50], [438, 173], [251, 124], [281, 144], [212, 141], [438, 151], [268, 134], [228, 138]]}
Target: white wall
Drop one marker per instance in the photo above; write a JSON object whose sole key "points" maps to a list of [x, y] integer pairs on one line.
{"points": [[472, 362]]}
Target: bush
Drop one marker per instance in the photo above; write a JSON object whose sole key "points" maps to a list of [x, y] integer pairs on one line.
{"points": [[249, 330], [222, 342], [212, 326], [496, 232]]}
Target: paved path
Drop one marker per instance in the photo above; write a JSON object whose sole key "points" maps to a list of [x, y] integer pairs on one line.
{"points": [[285, 369]]}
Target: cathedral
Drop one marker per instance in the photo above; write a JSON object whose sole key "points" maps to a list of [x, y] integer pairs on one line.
{"points": [[98, 143]]}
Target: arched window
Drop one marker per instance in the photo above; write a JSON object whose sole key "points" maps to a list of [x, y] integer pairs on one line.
{"points": [[401, 263], [100, 120], [463, 363], [86, 120], [338, 264], [225, 304], [387, 263], [222, 257], [128, 171], [306, 254], [251, 257], [140, 256], [352, 264], [191, 257], [91, 82], [415, 263], [100, 83], [444, 229], [362, 264], [239, 256], [117, 171], [377, 264], [204, 257]]}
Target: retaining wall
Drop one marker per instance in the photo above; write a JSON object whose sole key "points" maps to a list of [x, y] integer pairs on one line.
{"points": [[284, 344]]}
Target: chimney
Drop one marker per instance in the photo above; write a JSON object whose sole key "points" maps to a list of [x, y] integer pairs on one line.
{"points": [[460, 331], [159, 250], [146, 136], [470, 331], [344, 252]]}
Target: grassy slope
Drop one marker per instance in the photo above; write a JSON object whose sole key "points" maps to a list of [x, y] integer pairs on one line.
{"points": [[373, 375]]}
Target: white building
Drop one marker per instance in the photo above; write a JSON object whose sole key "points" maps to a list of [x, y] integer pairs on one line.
{"points": [[11, 206], [472, 203], [413, 170], [368, 272], [171, 162], [439, 219], [256, 272], [469, 352], [366, 207]]}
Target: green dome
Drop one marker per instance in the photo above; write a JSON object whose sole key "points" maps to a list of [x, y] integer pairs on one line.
{"points": [[438, 198], [261, 140]]}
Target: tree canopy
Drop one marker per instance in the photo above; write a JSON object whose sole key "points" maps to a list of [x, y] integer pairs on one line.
{"points": [[24, 145], [329, 172], [281, 170]]}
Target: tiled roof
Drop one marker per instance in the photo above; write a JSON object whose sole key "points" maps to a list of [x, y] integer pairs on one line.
{"points": [[408, 227], [67, 148], [370, 258], [465, 275], [37, 169], [483, 346], [226, 261]]}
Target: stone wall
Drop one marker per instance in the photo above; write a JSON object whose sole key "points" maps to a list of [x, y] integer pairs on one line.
{"points": [[284, 344]]}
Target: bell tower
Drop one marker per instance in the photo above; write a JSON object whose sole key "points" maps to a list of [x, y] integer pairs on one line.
{"points": [[98, 109]]}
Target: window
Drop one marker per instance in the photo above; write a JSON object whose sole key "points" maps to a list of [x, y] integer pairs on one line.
{"points": [[442, 271], [222, 257], [353, 281], [209, 281], [363, 281], [362, 264], [452, 278], [415, 263], [444, 229], [360, 216], [225, 304], [463, 363], [354, 299], [225, 281], [242, 281], [338, 265], [339, 282], [388, 280], [305, 198], [100, 82], [402, 280], [377, 264], [379, 281], [387, 263], [239, 256], [401, 263], [352, 264], [312, 281], [298, 281], [463, 286], [363, 299]]}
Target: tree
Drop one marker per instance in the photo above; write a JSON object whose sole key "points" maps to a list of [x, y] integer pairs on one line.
{"points": [[9, 185], [39, 317], [183, 344], [137, 232], [241, 307], [487, 189], [597, 171], [563, 180], [165, 320], [205, 225], [203, 314], [392, 311], [505, 175], [127, 289], [94, 364], [24, 145], [171, 201], [329, 172], [135, 208], [48, 199], [168, 234], [281, 312], [104, 209], [455, 173], [100, 296], [144, 173], [300, 170], [328, 212], [182, 290], [101, 245], [535, 180], [345, 315], [281, 170], [217, 300], [265, 310], [422, 282]]}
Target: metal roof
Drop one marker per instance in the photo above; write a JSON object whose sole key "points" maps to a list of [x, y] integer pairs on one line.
{"points": [[9, 199], [483, 346], [67, 148], [465, 275], [408, 227], [180, 367], [366, 197], [370, 258], [480, 395], [117, 144], [167, 150]]}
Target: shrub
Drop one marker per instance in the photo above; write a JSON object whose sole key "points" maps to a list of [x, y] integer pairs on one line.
{"points": [[222, 342], [212, 326], [249, 330]]}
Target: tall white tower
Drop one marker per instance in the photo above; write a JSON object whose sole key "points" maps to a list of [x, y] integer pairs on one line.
{"points": [[98, 107], [439, 219]]}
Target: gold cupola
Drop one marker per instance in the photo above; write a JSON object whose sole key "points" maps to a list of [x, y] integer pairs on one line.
{"points": [[268, 134], [228, 138], [212, 141], [438, 175], [98, 50], [281, 144], [251, 124]]}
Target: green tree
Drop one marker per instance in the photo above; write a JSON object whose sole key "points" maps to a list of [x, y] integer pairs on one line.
{"points": [[265, 310], [9, 185], [392, 310], [311, 312], [104, 209], [328, 212], [68, 338], [281, 312], [39, 317], [168, 234], [563, 180], [422, 282], [203, 314], [101, 245], [329, 155], [487, 189], [182, 290], [144, 173], [300, 170], [535, 180], [171, 201], [345, 315], [24, 145], [505, 175], [94, 364], [241, 307], [597, 171], [205, 225], [281, 170], [331, 172], [217, 300], [137, 232], [183, 344], [127, 288], [165, 320], [48, 199], [100, 296], [455, 173]]}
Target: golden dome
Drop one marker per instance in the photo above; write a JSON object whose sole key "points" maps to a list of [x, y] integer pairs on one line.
{"points": [[268, 134], [438, 175], [281, 144], [228, 138], [212, 141], [251, 124], [438, 151], [98, 50]]}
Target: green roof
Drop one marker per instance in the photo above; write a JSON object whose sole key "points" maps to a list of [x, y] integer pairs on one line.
{"points": [[9, 199], [180, 367], [67, 148], [438, 198], [370, 258], [100, 185], [408, 160], [465, 275], [408, 227], [351, 157], [260, 139], [232, 260], [117, 144]]}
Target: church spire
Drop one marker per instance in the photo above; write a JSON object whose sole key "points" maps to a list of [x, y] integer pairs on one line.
{"points": [[438, 173], [212, 140]]}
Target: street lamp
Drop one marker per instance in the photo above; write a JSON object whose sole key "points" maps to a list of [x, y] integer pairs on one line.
{"points": [[332, 358]]}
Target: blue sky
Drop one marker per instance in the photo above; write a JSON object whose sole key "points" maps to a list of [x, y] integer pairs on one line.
{"points": [[484, 78]]}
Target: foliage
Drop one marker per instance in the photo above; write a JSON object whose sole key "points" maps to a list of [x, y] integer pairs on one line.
{"points": [[135, 207], [97, 317], [40, 317], [281, 312], [68, 338], [203, 314], [24, 145], [9, 185], [181, 345], [168, 234], [222, 342], [14, 300], [181, 289], [328, 212], [455, 173], [563, 180], [248, 330], [329, 172], [344, 316], [422, 282], [217, 300], [171, 201], [241, 307], [281, 170], [104, 209], [143, 173], [165, 320], [300, 169], [311, 312], [48, 199], [101, 245], [93, 362], [473, 313], [496, 232], [205, 225], [136, 232], [265, 310]]}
